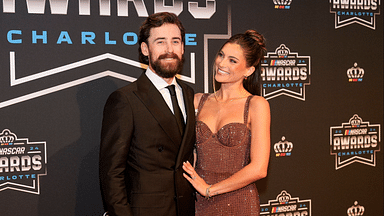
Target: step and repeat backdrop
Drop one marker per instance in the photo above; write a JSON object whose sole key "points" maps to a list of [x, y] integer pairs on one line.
{"points": [[322, 75]]}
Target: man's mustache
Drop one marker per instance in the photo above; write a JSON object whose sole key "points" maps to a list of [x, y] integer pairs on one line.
{"points": [[168, 55]]}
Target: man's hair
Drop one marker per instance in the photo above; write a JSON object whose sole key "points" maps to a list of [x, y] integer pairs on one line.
{"points": [[153, 21]]}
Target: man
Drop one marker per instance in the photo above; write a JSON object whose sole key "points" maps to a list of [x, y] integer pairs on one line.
{"points": [[143, 145]]}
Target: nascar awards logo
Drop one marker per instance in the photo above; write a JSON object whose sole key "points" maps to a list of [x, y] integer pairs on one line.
{"points": [[355, 74], [285, 205], [355, 141], [356, 210], [285, 73], [21, 163], [360, 12], [283, 148], [45, 26], [282, 4]]}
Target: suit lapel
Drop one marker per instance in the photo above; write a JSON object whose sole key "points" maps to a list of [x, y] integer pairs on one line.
{"points": [[190, 124], [155, 103]]}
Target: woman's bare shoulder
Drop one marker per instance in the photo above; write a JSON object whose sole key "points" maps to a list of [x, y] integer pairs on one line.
{"points": [[258, 102]]}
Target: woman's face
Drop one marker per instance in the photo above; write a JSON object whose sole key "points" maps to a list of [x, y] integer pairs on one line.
{"points": [[231, 64]]}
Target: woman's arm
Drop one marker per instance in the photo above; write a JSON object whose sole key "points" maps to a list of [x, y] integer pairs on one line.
{"points": [[259, 116]]}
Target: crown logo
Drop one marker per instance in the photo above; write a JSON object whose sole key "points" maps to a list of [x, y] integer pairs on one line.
{"points": [[284, 197], [355, 121], [282, 2], [282, 51], [355, 73], [283, 146], [355, 210], [7, 137]]}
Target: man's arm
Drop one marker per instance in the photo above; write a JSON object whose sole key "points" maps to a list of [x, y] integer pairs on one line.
{"points": [[116, 136]]}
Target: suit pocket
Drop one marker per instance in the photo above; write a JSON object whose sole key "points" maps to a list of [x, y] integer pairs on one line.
{"points": [[148, 200]]}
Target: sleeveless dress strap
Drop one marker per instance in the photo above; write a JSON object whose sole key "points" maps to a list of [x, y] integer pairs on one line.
{"points": [[246, 109], [203, 98]]}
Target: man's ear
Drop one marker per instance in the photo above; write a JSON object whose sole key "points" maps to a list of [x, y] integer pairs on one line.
{"points": [[144, 48]]}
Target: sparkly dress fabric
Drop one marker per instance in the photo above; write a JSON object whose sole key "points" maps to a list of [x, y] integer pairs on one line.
{"points": [[220, 155]]}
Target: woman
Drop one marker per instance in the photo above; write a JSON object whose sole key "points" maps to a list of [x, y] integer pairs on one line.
{"points": [[232, 132]]}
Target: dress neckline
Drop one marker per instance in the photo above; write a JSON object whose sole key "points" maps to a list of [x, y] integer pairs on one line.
{"points": [[204, 98], [223, 127]]}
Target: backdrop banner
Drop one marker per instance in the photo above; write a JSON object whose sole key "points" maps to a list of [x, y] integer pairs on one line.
{"points": [[322, 75]]}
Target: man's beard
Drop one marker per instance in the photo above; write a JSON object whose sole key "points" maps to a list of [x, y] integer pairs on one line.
{"points": [[168, 70]]}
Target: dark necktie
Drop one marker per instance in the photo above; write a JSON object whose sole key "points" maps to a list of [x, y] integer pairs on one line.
{"points": [[176, 108]]}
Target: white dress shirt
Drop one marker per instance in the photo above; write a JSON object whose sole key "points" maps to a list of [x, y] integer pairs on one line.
{"points": [[161, 85]]}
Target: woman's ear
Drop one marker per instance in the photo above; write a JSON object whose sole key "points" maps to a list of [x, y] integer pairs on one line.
{"points": [[250, 71]]}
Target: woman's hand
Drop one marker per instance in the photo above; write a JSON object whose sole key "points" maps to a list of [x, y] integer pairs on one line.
{"points": [[197, 182]]}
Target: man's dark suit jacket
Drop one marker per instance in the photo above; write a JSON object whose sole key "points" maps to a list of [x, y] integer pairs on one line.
{"points": [[142, 153]]}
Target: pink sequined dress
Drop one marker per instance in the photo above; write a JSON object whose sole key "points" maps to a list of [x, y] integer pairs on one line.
{"points": [[220, 155]]}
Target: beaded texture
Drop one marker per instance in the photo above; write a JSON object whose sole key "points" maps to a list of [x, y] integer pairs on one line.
{"points": [[220, 155]]}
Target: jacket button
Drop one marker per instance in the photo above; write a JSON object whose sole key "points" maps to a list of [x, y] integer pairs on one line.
{"points": [[161, 149]]}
